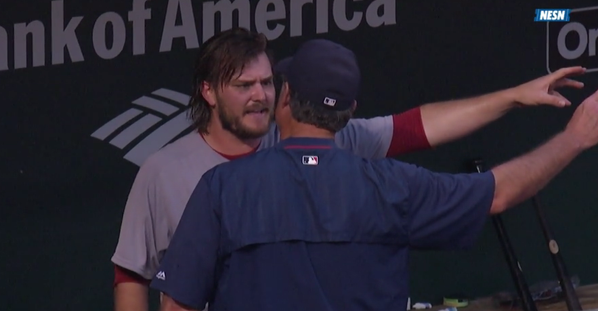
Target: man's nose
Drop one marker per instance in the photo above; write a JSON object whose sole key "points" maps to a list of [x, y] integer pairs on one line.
{"points": [[259, 94]]}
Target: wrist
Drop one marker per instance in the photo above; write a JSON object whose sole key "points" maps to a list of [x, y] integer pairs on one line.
{"points": [[571, 140], [511, 97]]}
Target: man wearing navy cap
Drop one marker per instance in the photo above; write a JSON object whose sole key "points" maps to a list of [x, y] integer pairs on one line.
{"points": [[306, 225]]}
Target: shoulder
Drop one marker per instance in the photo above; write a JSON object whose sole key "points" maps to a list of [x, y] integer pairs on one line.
{"points": [[256, 161], [242, 172], [392, 172], [390, 166], [182, 154], [419, 178], [374, 125], [271, 138], [363, 121]]}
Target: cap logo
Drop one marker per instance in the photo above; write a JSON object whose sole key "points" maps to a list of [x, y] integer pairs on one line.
{"points": [[329, 101]]}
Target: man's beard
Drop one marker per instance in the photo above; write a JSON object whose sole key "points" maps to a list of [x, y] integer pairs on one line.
{"points": [[234, 124]]}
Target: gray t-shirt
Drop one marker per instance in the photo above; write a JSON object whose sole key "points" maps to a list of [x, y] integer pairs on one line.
{"points": [[167, 178]]}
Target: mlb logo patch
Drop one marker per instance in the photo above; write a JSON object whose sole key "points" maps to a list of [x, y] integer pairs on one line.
{"points": [[310, 160], [329, 101]]}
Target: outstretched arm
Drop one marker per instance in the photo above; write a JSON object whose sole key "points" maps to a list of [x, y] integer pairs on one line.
{"points": [[434, 124], [522, 177], [450, 120], [386, 136], [447, 121], [447, 211]]}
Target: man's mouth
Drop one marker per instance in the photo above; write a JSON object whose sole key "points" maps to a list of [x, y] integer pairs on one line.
{"points": [[257, 111]]}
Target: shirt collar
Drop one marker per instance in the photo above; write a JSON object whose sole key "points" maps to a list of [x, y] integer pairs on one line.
{"points": [[308, 143]]}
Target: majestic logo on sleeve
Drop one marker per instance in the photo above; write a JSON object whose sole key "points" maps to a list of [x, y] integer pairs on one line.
{"points": [[154, 121]]}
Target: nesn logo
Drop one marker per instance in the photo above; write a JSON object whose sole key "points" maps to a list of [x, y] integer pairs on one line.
{"points": [[552, 15], [309, 160]]}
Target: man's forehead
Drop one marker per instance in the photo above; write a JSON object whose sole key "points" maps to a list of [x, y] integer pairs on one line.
{"points": [[248, 78], [252, 76], [257, 69]]}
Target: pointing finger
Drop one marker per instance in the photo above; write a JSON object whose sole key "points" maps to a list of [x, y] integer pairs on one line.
{"points": [[567, 71], [568, 83]]}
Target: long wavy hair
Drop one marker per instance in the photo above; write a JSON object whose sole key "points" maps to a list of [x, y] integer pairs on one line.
{"points": [[218, 60]]}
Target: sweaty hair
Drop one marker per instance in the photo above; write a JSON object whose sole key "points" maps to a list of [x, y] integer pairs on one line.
{"points": [[304, 111], [218, 60]]}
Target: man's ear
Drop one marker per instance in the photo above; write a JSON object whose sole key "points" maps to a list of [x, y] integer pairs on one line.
{"points": [[208, 93], [285, 95], [354, 106]]}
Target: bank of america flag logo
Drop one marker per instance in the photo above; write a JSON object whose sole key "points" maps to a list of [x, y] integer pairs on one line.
{"points": [[152, 122]]}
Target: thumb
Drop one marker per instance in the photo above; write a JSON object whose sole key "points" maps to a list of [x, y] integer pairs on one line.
{"points": [[594, 95]]}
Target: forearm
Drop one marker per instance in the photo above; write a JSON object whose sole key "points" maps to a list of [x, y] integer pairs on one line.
{"points": [[521, 178], [450, 120], [131, 297]]}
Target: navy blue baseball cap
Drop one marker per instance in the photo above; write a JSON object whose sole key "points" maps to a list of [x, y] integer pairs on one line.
{"points": [[323, 72]]}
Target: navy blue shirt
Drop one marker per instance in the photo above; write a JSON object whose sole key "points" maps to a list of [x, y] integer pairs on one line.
{"points": [[307, 226]]}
